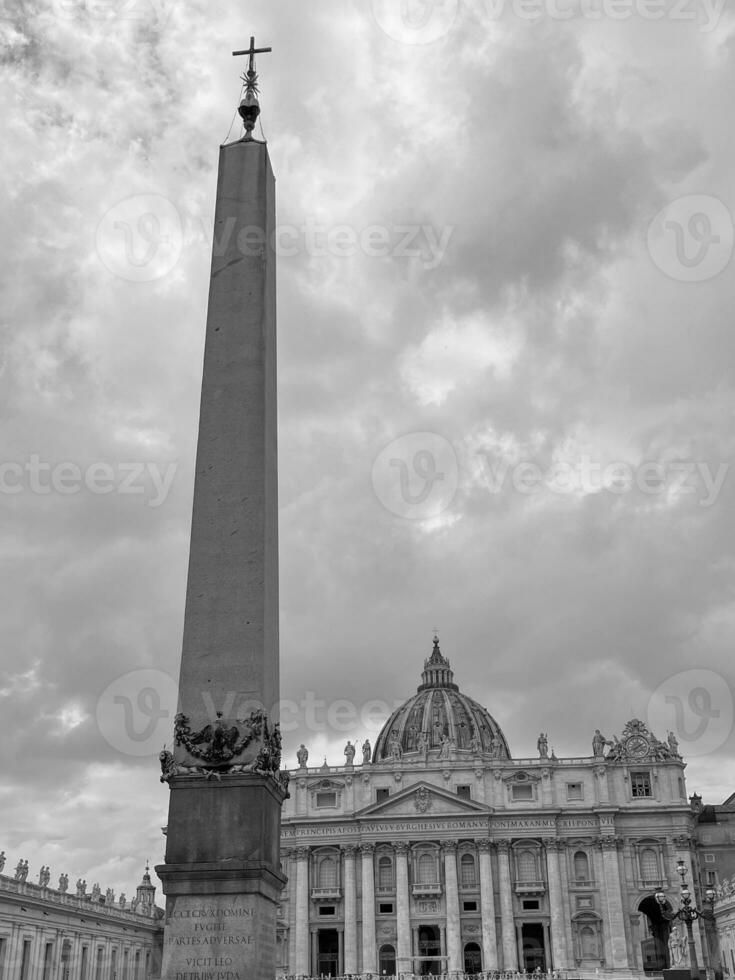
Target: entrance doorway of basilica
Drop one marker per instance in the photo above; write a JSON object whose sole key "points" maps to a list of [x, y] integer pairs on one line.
{"points": [[328, 953], [533, 948], [655, 947], [472, 958], [387, 960], [430, 951]]}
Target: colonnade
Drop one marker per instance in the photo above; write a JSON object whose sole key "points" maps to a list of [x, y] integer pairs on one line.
{"points": [[495, 922]]}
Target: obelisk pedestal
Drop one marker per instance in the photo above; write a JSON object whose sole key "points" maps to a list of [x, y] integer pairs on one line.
{"points": [[222, 876]]}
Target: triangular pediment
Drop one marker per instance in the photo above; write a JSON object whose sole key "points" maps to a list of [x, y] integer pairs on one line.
{"points": [[423, 799]]}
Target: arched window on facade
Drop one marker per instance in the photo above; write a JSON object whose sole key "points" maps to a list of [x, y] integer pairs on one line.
{"points": [[526, 866], [328, 873], [581, 866], [426, 868], [649, 864], [467, 871], [385, 872]]}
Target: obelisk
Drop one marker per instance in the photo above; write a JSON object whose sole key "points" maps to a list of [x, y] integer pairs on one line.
{"points": [[222, 875]]}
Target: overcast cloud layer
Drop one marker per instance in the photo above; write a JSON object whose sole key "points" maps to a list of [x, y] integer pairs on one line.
{"points": [[506, 379]]}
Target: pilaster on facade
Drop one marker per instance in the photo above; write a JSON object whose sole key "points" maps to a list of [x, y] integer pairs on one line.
{"points": [[507, 920], [485, 848], [403, 918], [369, 951], [554, 846], [349, 852]]}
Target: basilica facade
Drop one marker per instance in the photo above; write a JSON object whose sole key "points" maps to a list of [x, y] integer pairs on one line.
{"points": [[437, 851]]}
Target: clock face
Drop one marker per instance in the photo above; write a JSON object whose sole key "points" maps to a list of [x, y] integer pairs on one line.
{"points": [[636, 746]]}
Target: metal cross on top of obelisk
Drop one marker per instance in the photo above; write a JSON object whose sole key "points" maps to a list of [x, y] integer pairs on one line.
{"points": [[249, 107]]}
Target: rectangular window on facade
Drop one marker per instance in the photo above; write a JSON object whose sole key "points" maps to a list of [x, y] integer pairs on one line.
{"points": [[640, 784], [464, 792], [469, 906], [326, 909], [575, 791], [711, 878], [385, 908], [25, 963], [382, 793], [326, 798], [522, 791], [48, 957], [530, 904]]}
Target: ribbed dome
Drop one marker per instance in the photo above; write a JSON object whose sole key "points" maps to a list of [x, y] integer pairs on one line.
{"points": [[443, 714]]}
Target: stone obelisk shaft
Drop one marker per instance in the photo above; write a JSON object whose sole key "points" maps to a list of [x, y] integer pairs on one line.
{"points": [[221, 875], [230, 653]]}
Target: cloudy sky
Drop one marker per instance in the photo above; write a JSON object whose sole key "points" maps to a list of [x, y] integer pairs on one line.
{"points": [[506, 378]]}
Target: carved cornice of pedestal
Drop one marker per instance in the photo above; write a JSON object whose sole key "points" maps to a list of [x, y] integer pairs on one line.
{"points": [[485, 844], [449, 846], [503, 845], [554, 843], [367, 847], [302, 853], [401, 847]]}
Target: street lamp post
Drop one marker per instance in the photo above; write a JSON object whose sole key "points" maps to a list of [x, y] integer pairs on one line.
{"points": [[687, 913]]}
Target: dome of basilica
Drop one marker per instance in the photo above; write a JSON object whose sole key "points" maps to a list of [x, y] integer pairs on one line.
{"points": [[440, 717]]}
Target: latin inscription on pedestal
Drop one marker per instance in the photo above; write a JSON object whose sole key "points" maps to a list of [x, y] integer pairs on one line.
{"points": [[222, 937]]}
